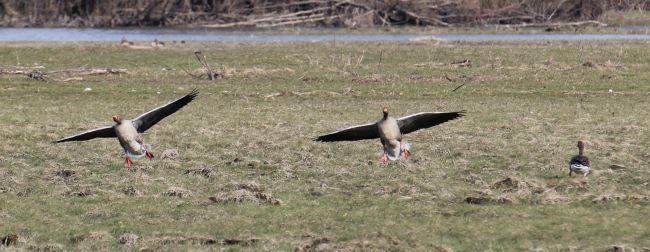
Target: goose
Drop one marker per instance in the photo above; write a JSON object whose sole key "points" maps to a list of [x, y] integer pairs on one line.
{"points": [[579, 163], [389, 131], [128, 131]]}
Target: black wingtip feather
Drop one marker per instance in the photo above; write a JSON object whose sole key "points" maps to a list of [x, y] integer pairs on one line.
{"points": [[194, 93], [319, 139]]}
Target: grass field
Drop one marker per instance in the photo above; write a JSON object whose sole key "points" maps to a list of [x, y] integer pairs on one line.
{"points": [[245, 145]]}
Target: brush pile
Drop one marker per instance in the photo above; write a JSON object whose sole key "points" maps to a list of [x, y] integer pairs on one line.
{"points": [[320, 13]]}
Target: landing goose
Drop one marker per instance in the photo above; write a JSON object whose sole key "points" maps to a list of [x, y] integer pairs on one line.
{"points": [[579, 163], [389, 130], [128, 131]]}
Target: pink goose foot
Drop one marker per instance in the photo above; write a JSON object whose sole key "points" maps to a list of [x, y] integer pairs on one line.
{"points": [[405, 152], [384, 159], [128, 163], [147, 153]]}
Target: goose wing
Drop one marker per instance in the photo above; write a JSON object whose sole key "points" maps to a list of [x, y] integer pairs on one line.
{"points": [[146, 120], [579, 160], [354, 133], [425, 120], [104, 132]]}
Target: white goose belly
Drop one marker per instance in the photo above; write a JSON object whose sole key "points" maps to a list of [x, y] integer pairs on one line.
{"points": [[128, 136], [391, 135]]}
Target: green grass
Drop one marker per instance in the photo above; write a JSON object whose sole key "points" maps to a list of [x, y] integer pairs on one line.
{"points": [[523, 120]]}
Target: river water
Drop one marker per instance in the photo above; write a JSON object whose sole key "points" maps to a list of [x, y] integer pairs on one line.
{"points": [[167, 34]]}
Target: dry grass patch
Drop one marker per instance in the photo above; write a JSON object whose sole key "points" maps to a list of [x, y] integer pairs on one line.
{"points": [[245, 192]]}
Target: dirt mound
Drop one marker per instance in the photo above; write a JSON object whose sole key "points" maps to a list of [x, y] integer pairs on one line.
{"points": [[169, 154], [205, 241], [65, 173], [201, 171], [128, 239], [243, 195], [54, 247], [483, 200], [8, 240], [623, 248], [200, 241], [178, 192], [246, 192], [80, 193], [512, 184], [313, 245], [250, 186], [610, 197], [376, 242], [131, 191], [4, 189], [246, 242]]}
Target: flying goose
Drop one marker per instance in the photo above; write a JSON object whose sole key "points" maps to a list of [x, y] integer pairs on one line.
{"points": [[389, 130], [579, 163], [128, 131]]}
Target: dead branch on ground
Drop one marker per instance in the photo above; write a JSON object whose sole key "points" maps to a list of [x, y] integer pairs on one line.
{"points": [[39, 75]]}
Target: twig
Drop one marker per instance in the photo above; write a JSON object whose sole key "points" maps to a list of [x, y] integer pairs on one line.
{"points": [[211, 74], [363, 53], [461, 85]]}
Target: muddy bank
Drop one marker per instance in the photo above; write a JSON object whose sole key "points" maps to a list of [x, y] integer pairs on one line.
{"points": [[321, 13]]}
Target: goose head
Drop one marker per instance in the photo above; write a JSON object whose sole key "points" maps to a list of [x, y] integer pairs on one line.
{"points": [[117, 119], [385, 112], [581, 147]]}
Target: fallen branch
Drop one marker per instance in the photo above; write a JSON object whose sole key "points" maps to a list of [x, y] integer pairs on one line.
{"points": [[462, 63], [38, 75], [256, 22], [461, 85], [301, 21], [556, 25], [90, 71]]}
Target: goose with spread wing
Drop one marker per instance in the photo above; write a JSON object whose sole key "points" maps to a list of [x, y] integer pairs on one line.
{"points": [[128, 132], [390, 130]]}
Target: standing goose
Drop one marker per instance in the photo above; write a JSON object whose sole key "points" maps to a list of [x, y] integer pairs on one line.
{"points": [[128, 131], [389, 130], [579, 163]]}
